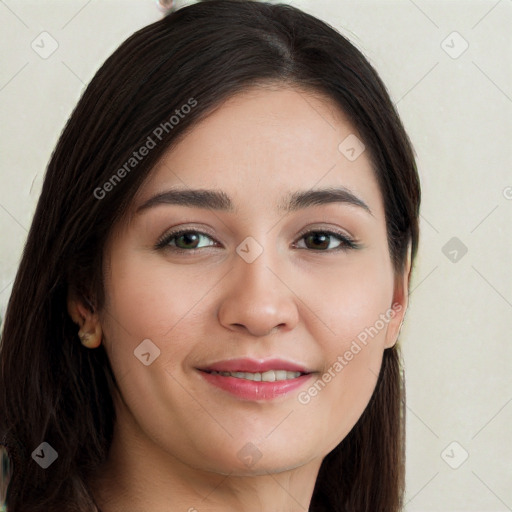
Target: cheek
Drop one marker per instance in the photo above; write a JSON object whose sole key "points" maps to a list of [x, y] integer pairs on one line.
{"points": [[353, 298], [149, 300], [354, 305]]}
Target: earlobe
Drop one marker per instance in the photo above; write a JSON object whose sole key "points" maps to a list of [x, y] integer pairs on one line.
{"points": [[90, 332], [400, 303]]}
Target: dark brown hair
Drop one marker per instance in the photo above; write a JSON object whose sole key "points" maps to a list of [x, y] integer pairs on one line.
{"points": [[55, 390]]}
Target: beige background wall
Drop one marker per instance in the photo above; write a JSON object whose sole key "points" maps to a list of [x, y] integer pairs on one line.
{"points": [[456, 104]]}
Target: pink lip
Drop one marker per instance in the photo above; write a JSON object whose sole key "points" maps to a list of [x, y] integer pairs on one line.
{"points": [[253, 390]]}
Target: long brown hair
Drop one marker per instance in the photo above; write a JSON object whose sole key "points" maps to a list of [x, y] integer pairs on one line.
{"points": [[55, 390]]}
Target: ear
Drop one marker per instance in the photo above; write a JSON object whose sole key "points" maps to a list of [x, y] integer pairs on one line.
{"points": [[400, 303], [86, 318]]}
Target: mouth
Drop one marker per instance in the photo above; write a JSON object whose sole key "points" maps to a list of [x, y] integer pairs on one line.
{"points": [[251, 379], [268, 376]]}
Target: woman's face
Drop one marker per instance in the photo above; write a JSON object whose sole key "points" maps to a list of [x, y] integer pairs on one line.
{"points": [[256, 282]]}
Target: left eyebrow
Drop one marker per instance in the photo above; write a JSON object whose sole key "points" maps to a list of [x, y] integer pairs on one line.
{"points": [[305, 199], [218, 200]]}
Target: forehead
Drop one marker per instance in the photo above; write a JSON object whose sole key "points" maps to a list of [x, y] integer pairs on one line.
{"points": [[265, 143]]}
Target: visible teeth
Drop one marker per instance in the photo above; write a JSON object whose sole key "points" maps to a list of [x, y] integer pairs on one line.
{"points": [[270, 376]]}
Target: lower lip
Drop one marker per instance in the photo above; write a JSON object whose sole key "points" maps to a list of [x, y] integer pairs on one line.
{"points": [[255, 390]]}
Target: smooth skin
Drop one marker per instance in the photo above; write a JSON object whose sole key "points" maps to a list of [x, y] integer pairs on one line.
{"points": [[177, 438]]}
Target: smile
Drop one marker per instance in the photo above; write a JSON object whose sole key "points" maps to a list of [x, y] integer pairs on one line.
{"points": [[256, 386], [269, 376]]}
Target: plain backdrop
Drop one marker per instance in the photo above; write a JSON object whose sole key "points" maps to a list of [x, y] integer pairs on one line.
{"points": [[447, 65]]}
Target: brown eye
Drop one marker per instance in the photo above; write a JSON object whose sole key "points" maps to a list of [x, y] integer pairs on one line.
{"points": [[183, 240], [320, 241], [188, 239]]}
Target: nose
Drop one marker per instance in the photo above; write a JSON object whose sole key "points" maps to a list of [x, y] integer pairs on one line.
{"points": [[257, 299]]}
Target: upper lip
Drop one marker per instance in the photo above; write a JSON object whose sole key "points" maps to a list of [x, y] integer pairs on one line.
{"points": [[254, 366]]}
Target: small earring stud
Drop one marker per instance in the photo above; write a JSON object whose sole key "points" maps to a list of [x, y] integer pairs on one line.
{"points": [[85, 338]]}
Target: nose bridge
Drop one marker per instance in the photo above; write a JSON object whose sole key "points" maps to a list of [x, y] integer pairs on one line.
{"points": [[255, 277], [257, 297]]}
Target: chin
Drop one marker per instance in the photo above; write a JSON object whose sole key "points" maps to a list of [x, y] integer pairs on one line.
{"points": [[252, 459]]}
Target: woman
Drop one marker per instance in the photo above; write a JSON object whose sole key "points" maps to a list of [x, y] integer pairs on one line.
{"points": [[206, 313]]}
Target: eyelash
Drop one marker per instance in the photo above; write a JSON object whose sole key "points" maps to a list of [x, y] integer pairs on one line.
{"points": [[163, 243]]}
